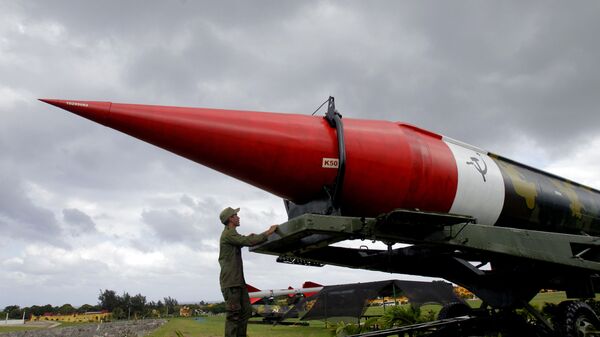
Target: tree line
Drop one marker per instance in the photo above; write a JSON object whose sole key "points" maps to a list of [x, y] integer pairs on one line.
{"points": [[122, 306]]}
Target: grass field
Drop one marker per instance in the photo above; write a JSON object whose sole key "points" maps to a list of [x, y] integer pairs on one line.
{"points": [[10, 328], [214, 326], [538, 301]]}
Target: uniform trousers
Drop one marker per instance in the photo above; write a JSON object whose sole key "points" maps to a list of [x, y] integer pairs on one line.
{"points": [[239, 310]]}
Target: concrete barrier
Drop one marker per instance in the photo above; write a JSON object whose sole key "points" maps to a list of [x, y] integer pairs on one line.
{"points": [[12, 322]]}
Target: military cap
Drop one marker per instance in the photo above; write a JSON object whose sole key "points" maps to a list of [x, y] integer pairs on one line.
{"points": [[227, 213]]}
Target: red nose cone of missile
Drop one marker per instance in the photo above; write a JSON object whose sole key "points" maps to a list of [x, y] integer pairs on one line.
{"points": [[95, 111], [263, 149], [294, 156]]}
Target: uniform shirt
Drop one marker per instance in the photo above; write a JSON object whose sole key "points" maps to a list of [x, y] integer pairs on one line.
{"points": [[230, 256]]}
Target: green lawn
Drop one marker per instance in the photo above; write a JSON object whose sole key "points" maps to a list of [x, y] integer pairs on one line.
{"points": [[538, 301], [214, 327], [10, 328]]}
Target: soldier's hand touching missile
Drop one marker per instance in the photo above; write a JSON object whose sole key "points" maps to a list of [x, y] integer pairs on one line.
{"points": [[272, 229]]}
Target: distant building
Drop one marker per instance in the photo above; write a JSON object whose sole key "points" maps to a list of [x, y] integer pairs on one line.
{"points": [[94, 316], [388, 300], [185, 311], [463, 292]]}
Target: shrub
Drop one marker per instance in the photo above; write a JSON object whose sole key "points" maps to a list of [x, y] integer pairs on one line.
{"points": [[401, 315]]}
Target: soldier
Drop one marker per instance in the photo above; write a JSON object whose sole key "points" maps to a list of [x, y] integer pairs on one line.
{"points": [[233, 284]]}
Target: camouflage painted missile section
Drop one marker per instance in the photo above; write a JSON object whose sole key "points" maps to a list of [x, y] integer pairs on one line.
{"points": [[538, 200]]}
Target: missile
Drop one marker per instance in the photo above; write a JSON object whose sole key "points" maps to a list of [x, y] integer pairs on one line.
{"points": [[384, 165], [257, 294], [308, 289]]}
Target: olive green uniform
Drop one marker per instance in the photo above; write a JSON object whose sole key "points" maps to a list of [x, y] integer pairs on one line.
{"points": [[233, 284]]}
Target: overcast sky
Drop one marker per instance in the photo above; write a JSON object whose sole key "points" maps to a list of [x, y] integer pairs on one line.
{"points": [[84, 207]]}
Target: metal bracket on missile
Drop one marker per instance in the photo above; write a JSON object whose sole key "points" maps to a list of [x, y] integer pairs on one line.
{"points": [[309, 237], [329, 202], [334, 118]]}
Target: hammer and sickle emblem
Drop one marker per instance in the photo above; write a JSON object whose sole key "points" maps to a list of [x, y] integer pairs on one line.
{"points": [[475, 162]]}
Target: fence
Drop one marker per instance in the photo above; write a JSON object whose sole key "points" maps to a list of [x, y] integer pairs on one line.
{"points": [[7, 321]]}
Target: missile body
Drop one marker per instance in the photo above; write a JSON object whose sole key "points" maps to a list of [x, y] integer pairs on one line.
{"points": [[283, 292], [389, 165], [308, 289]]}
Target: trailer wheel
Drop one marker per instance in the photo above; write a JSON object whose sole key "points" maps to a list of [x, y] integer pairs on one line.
{"points": [[454, 309], [577, 319]]}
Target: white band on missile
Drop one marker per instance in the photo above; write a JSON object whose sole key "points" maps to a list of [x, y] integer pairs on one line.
{"points": [[480, 188]]}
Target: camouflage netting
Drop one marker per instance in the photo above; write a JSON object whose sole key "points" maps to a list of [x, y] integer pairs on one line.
{"points": [[350, 300]]}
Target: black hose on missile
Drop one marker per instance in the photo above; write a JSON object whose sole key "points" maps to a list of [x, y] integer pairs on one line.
{"points": [[335, 120]]}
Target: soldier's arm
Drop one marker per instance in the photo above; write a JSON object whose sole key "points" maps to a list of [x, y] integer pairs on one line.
{"points": [[245, 240], [249, 240]]}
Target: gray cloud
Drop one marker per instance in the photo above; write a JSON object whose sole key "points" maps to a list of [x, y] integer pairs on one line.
{"points": [[503, 76], [80, 222], [21, 219], [171, 225], [193, 222], [192, 225]]}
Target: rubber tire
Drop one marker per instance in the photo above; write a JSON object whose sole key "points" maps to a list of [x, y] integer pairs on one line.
{"points": [[454, 309], [575, 318]]}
